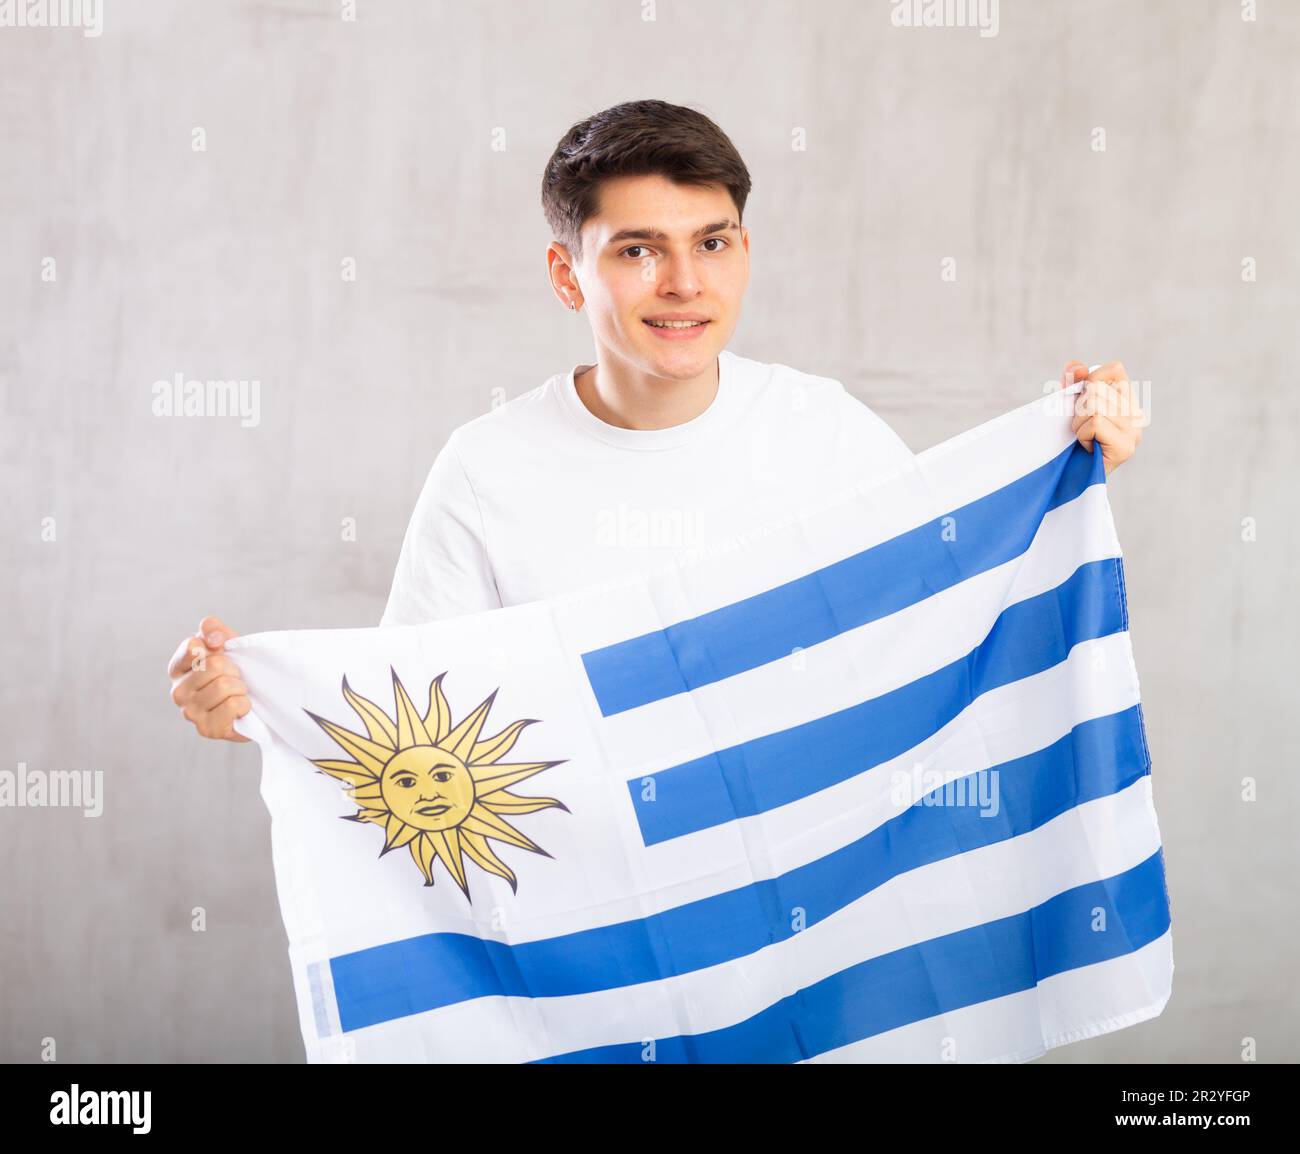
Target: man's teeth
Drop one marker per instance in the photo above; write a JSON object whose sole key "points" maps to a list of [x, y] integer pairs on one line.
{"points": [[676, 324]]}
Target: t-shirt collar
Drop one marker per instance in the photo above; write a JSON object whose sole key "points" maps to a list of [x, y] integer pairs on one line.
{"points": [[669, 438]]}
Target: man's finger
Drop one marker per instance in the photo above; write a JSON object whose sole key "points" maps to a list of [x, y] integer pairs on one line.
{"points": [[218, 690], [1114, 399], [223, 717], [1103, 429], [198, 674], [215, 632], [182, 661], [1099, 397], [1072, 372], [1111, 371]]}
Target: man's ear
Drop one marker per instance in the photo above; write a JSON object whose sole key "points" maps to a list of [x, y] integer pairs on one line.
{"points": [[563, 279]]}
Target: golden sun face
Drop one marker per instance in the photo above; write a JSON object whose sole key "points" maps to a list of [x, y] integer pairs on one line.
{"points": [[428, 787], [436, 788]]}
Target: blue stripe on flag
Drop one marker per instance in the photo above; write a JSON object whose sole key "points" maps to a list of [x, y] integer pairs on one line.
{"points": [[935, 977], [830, 601], [778, 768], [1096, 759]]}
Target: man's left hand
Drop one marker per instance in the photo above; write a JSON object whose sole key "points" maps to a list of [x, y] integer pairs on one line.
{"points": [[1106, 412]]}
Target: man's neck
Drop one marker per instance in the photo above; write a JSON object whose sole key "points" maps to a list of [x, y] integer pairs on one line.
{"points": [[631, 400]]}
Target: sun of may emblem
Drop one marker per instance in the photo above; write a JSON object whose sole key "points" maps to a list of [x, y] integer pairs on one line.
{"points": [[436, 788]]}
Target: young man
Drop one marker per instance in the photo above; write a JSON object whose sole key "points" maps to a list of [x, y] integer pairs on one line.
{"points": [[667, 442]]}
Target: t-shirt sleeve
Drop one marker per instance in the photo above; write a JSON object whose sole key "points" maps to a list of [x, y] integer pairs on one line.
{"points": [[891, 450], [443, 569]]}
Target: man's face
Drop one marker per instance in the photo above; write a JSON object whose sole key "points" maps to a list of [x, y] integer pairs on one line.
{"points": [[699, 268]]}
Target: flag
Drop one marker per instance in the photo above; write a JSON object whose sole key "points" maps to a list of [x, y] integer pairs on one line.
{"points": [[869, 784]]}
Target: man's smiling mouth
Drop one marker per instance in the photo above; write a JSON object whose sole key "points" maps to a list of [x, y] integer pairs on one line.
{"points": [[436, 810], [676, 328]]}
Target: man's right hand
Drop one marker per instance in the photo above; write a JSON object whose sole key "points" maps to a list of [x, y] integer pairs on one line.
{"points": [[206, 683]]}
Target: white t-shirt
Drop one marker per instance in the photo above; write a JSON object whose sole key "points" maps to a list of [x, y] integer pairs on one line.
{"points": [[541, 497]]}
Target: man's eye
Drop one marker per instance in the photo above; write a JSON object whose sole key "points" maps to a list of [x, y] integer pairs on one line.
{"points": [[710, 240], [405, 782], [442, 775]]}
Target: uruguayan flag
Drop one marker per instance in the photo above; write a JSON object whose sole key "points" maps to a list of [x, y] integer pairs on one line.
{"points": [[870, 785]]}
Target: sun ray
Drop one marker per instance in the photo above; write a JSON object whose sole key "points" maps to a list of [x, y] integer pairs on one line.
{"points": [[436, 788], [439, 712], [422, 851], [368, 753], [484, 821], [491, 748], [347, 771], [476, 846], [488, 779], [396, 833], [410, 726], [460, 740], [378, 816], [448, 843], [380, 728], [502, 802]]}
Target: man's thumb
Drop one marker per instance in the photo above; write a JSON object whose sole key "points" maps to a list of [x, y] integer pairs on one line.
{"points": [[215, 632]]}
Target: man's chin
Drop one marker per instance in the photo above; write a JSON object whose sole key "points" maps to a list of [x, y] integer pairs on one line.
{"points": [[681, 362]]}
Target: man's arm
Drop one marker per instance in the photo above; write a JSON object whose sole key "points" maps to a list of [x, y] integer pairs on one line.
{"points": [[443, 569]]}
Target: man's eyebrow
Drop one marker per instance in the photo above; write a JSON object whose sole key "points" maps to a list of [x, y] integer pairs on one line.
{"points": [[657, 234]]}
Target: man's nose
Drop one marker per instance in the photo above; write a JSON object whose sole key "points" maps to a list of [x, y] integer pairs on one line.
{"points": [[679, 275]]}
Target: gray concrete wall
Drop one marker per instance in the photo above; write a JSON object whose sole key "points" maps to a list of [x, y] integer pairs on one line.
{"points": [[374, 140]]}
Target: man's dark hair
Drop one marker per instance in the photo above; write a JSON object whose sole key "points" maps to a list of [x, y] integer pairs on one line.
{"points": [[639, 138]]}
